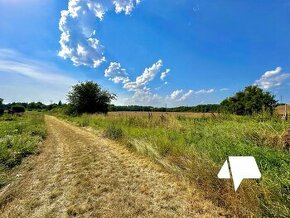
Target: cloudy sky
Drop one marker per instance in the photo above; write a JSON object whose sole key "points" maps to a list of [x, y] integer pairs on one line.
{"points": [[148, 52]]}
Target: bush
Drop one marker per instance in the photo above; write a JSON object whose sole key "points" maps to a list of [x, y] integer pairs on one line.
{"points": [[1, 111], [18, 109]]}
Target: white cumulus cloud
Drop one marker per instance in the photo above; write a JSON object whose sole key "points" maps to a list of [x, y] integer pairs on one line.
{"points": [[116, 73], [164, 74], [79, 43], [176, 94], [180, 95], [142, 93], [78, 40], [141, 81], [125, 5], [272, 78], [186, 95]]}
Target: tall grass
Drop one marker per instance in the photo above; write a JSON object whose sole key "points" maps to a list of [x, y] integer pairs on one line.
{"points": [[195, 148], [19, 137]]}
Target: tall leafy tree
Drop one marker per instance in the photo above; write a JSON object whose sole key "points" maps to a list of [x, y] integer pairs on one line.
{"points": [[251, 100], [89, 97]]}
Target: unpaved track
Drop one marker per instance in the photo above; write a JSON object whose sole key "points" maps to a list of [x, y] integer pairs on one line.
{"points": [[81, 174]]}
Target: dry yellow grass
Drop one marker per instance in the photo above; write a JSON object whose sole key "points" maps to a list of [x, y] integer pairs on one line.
{"points": [[281, 109], [80, 174]]}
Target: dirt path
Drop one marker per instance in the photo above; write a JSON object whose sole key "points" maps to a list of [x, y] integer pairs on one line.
{"points": [[81, 174]]}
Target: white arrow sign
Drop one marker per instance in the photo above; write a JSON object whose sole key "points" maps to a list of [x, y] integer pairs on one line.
{"points": [[239, 168]]}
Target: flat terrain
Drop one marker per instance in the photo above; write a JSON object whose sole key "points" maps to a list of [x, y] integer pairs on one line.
{"points": [[81, 174], [158, 114], [281, 109]]}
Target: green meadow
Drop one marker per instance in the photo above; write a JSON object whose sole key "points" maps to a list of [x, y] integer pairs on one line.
{"points": [[20, 136]]}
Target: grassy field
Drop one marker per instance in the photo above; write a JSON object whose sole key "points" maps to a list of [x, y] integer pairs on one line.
{"points": [[19, 137], [195, 147], [146, 114]]}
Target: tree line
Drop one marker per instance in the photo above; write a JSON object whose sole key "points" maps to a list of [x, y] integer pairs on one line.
{"points": [[89, 97], [199, 108], [38, 106]]}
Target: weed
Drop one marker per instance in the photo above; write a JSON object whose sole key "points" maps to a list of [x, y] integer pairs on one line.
{"points": [[114, 132]]}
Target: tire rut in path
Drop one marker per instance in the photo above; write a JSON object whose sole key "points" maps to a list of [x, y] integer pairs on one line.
{"points": [[81, 174]]}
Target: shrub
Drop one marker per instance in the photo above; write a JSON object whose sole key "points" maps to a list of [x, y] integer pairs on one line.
{"points": [[1, 111], [18, 108]]}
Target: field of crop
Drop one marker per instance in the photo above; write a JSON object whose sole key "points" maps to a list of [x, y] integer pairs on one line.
{"points": [[194, 147], [281, 109], [19, 137]]}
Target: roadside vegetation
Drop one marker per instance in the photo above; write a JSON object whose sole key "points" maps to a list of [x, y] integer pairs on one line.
{"points": [[196, 147], [20, 136]]}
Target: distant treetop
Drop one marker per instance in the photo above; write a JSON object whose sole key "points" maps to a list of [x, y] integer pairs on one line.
{"points": [[249, 101]]}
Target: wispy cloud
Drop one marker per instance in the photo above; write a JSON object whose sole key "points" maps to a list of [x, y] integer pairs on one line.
{"points": [[14, 62], [31, 80], [272, 78], [204, 91]]}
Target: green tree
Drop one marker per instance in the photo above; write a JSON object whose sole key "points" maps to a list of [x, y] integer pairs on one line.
{"points": [[251, 100], [18, 108], [89, 97]]}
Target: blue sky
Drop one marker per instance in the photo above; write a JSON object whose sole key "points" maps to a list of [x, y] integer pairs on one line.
{"points": [[204, 50]]}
